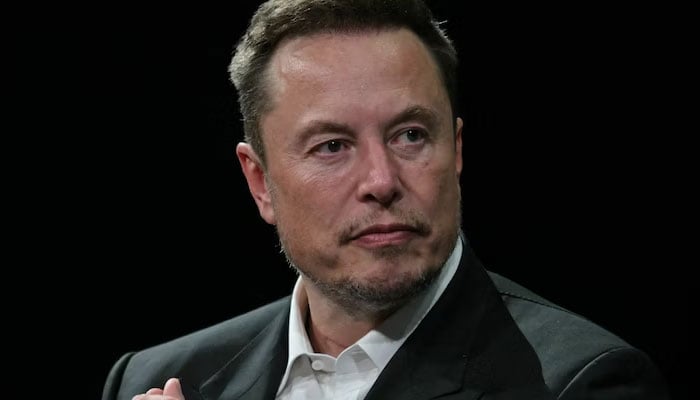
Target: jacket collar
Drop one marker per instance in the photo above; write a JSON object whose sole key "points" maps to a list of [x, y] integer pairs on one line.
{"points": [[468, 344], [255, 372]]}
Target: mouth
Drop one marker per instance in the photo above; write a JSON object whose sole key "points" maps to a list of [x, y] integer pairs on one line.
{"points": [[385, 235]]}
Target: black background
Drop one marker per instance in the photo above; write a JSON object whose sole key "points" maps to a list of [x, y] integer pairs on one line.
{"points": [[565, 181]]}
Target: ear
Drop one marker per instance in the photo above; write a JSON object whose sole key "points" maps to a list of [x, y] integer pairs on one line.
{"points": [[255, 175], [459, 124]]}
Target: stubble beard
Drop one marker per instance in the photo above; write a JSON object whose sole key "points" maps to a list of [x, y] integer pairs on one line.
{"points": [[378, 297]]}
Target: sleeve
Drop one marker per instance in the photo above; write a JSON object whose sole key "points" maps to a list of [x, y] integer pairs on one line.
{"points": [[617, 374], [114, 379]]}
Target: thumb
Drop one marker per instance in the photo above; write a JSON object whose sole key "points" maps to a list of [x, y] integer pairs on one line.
{"points": [[172, 388]]}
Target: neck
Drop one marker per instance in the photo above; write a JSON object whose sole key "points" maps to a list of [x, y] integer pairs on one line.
{"points": [[331, 328]]}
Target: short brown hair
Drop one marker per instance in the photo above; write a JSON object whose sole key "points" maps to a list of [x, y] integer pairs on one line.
{"points": [[279, 19]]}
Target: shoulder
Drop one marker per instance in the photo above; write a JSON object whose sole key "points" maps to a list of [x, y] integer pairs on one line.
{"points": [[577, 354], [194, 357]]}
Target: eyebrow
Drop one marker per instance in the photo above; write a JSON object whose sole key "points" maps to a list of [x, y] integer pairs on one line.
{"points": [[321, 126], [418, 113]]}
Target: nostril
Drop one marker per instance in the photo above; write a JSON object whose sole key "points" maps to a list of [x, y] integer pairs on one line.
{"points": [[385, 196]]}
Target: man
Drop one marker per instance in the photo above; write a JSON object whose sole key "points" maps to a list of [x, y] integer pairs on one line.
{"points": [[353, 152]]}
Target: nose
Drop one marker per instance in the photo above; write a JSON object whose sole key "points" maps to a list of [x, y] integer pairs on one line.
{"points": [[379, 179]]}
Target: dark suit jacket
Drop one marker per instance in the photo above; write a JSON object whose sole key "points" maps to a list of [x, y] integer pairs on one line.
{"points": [[485, 338]]}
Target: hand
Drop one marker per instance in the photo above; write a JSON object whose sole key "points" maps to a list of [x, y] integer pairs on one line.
{"points": [[171, 391]]}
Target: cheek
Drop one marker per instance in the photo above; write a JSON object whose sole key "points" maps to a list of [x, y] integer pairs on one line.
{"points": [[306, 199], [437, 183]]}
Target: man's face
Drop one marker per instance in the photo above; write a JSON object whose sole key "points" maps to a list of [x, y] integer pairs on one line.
{"points": [[362, 163]]}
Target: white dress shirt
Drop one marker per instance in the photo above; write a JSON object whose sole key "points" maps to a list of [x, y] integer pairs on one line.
{"points": [[314, 376]]}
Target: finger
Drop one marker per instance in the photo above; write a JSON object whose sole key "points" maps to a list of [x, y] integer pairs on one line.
{"points": [[172, 388], [155, 391], [148, 395]]}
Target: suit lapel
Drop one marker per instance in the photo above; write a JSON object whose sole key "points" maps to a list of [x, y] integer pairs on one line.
{"points": [[257, 370], [468, 345]]}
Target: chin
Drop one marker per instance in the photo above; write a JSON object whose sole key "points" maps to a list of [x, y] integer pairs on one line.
{"points": [[377, 293]]}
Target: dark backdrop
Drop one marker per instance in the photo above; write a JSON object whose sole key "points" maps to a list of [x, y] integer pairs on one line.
{"points": [[562, 183]]}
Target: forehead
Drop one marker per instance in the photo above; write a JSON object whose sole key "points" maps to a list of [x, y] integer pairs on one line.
{"points": [[365, 58]]}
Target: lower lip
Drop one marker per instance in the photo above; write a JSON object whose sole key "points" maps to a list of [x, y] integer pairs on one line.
{"points": [[374, 240]]}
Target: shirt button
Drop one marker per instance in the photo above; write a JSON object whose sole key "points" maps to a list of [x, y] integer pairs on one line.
{"points": [[317, 365]]}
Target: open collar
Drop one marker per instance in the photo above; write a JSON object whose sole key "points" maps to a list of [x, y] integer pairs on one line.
{"points": [[468, 344]]}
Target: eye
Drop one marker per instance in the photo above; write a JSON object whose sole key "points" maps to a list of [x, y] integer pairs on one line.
{"points": [[331, 146], [411, 136]]}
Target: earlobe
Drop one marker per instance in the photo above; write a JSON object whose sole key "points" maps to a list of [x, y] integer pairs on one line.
{"points": [[257, 182], [458, 146]]}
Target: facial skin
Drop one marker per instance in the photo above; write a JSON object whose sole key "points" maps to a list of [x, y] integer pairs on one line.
{"points": [[362, 165]]}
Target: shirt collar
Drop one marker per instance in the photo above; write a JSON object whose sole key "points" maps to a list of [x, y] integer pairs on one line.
{"points": [[380, 344], [299, 343]]}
